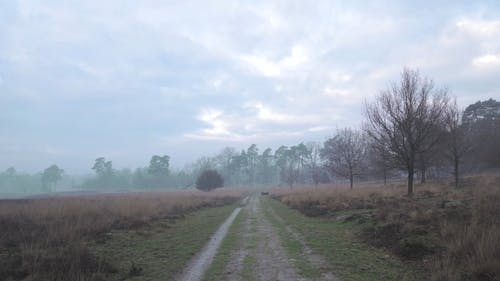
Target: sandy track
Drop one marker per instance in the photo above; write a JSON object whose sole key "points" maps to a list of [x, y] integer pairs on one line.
{"points": [[272, 262], [260, 243]]}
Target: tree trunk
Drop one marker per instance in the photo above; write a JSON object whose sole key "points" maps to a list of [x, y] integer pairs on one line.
{"points": [[422, 175], [410, 180], [351, 180], [457, 176]]}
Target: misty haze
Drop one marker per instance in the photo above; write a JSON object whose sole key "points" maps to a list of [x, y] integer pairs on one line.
{"points": [[261, 140]]}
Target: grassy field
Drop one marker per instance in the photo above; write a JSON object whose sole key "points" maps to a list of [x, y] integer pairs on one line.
{"points": [[337, 242], [293, 247], [88, 237], [161, 250], [454, 234]]}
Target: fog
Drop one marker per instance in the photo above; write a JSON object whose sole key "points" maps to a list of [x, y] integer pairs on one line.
{"points": [[126, 82]]}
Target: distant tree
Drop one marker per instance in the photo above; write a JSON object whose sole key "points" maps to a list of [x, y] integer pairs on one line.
{"points": [[315, 162], [203, 163], [51, 176], [288, 163], [457, 142], [380, 161], [481, 120], [140, 178], [404, 117], [103, 168], [434, 152], [10, 172], [159, 165], [266, 167], [303, 157], [8, 179], [238, 166], [223, 161], [209, 180], [252, 161], [344, 154]]}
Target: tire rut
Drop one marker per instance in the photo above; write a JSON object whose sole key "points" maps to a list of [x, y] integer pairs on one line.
{"points": [[272, 262], [314, 259]]}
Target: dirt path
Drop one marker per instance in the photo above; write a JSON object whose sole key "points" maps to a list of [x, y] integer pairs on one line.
{"points": [[260, 254], [262, 245]]}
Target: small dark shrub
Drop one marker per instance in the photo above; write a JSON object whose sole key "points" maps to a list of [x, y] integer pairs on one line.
{"points": [[209, 180]]}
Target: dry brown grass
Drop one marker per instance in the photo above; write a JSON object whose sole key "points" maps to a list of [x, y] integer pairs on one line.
{"points": [[45, 239], [455, 232]]}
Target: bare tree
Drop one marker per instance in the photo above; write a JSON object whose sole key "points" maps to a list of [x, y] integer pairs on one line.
{"points": [[345, 153], [457, 144], [403, 118]]}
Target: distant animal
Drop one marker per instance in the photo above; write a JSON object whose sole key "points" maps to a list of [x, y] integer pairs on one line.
{"points": [[264, 193]]}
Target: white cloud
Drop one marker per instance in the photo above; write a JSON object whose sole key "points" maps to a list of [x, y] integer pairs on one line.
{"points": [[487, 61], [337, 93], [267, 114], [218, 127], [479, 27], [220, 81], [319, 129], [297, 56], [260, 70], [262, 65]]}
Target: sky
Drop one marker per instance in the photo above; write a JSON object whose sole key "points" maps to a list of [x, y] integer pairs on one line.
{"points": [[129, 79]]}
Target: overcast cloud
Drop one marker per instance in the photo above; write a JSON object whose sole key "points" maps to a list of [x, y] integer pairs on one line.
{"points": [[129, 79]]}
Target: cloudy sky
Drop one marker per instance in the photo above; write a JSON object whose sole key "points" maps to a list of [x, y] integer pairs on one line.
{"points": [[129, 79]]}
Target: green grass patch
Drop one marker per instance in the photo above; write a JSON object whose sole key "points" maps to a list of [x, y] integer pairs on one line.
{"points": [[337, 242], [162, 249], [293, 247], [249, 264]]}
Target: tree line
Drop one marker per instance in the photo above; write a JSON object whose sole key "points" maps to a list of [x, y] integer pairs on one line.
{"points": [[413, 129]]}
